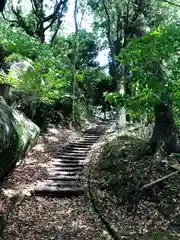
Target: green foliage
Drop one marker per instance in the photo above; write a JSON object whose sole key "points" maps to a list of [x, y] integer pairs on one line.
{"points": [[52, 76], [87, 48], [46, 63], [154, 62], [14, 57], [118, 21], [161, 44]]}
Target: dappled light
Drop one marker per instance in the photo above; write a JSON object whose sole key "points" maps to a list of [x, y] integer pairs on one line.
{"points": [[89, 120]]}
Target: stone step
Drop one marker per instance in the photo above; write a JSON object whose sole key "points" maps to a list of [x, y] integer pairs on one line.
{"points": [[58, 192], [87, 144], [88, 141], [71, 153], [92, 137], [80, 142], [79, 145], [71, 149], [68, 164], [66, 169], [95, 132], [72, 159], [66, 178], [79, 149], [68, 161], [64, 157], [64, 173], [62, 184], [75, 152]]}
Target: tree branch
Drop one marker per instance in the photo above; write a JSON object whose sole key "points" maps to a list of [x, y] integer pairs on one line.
{"points": [[51, 23], [171, 3], [20, 21], [56, 10], [158, 180], [75, 17], [35, 9], [111, 45], [58, 24], [57, 16], [11, 21], [2, 6], [126, 22], [56, 31]]}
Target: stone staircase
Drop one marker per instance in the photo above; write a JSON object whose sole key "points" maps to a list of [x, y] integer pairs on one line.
{"points": [[65, 177]]}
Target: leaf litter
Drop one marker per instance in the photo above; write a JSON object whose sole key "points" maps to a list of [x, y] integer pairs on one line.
{"points": [[117, 175], [46, 218]]}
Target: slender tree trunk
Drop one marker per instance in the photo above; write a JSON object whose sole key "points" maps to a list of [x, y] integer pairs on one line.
{"points": [[114, 67], [41, 33], [76, 42], [165, 134], [128, 87], [56, 30]]}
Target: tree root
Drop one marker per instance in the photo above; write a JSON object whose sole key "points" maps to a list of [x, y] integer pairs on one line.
{"points": [[94, 203], [158, 180]]}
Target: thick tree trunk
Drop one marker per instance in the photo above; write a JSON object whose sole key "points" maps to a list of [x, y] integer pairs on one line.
{"points": [[165, 134]]}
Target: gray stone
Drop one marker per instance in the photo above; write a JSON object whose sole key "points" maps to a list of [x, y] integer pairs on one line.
{"points": [[17, 136], [17, 69]]}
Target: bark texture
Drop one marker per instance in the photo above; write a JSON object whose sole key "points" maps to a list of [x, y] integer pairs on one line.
{"points": [[165, 134]]}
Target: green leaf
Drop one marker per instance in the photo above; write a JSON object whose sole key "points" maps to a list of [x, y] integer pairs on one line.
{"points": [[79, 77]]}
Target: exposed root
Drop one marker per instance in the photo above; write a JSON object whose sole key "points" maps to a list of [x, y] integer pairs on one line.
{"points": [[93, 200]]}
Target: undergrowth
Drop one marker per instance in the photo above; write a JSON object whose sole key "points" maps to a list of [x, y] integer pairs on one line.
{"points": [[153, 213]]}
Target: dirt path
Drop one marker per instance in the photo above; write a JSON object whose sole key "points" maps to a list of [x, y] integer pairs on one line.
{"points": [[47, 218], [66, 170]]}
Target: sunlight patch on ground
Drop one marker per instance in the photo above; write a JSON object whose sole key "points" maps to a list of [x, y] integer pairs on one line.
{"points": [[53, 139], [39, 147], [53, 130]]}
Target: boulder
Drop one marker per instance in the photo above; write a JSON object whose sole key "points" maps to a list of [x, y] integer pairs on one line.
{"points": [[3, 53], [22, 65], [11, 95], [17, 136], [18, 68], [41, 113]]}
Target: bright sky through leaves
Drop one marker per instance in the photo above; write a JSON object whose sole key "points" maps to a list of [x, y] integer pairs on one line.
{"points": [[86, 23]]}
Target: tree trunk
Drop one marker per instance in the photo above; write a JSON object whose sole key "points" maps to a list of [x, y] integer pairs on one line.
{"points": [[128, 87], [41, 32], [165, 134]]}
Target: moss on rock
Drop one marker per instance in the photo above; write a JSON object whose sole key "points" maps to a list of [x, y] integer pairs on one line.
{"points": [[17, 135]]}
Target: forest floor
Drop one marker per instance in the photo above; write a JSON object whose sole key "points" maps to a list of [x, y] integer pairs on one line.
{"points": [[46, 218], [117, 175]]}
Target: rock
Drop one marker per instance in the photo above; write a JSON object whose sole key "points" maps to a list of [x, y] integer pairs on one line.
{"points": [[3, 53], [22, 65], [10, 94], [17, 69], [17, 136], [41, 113]]}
